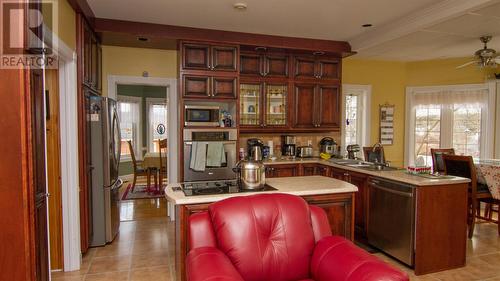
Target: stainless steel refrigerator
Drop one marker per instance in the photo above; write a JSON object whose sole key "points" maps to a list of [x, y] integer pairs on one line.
{"points": [[102, 118]]}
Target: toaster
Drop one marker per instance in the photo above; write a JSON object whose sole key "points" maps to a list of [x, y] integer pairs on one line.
{"points": [[304, 151]]}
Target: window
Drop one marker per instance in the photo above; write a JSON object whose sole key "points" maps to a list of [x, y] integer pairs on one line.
{"points": [[356, 115], [129, 115], [157, 115], [448, 117]]}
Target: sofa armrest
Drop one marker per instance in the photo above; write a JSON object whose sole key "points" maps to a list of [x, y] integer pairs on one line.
{"points": [[209, 263], [336, 258]]}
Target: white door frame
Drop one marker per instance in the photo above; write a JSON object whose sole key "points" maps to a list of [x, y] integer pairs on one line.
{"points": [[173, 122], [68, 112]]}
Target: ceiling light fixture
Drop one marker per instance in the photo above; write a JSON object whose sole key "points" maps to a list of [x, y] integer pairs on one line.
{"points": [[240, 6], [367, 25]]}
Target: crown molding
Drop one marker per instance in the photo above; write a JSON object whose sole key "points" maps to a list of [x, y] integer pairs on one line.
{"points": [[421, 19]]}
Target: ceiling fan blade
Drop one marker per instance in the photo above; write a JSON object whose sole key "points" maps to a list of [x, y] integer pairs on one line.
{"points": [[466, 64]]}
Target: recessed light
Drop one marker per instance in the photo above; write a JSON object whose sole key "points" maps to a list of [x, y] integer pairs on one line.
{"points": [[143, 39], [318, 53], [240, 6], [367, 25]]}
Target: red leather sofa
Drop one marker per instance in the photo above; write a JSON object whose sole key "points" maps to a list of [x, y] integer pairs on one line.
{"points": [[275, 237]]}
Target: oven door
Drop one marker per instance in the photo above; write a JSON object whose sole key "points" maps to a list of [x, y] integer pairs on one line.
{"points": [[211, 173]]}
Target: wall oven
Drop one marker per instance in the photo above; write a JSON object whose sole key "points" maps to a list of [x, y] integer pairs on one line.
{"points": [[201, 115], [227, 137]]}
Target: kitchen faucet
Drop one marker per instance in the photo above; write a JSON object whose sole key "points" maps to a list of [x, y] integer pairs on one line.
{"points": [[374, 149]]}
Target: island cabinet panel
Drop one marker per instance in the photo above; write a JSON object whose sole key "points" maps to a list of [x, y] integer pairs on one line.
{"points": [[338, 207], [282, 170]]}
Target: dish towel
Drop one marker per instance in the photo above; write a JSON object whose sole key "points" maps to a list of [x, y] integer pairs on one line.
{"points": [[215, 154], [198, 156]]}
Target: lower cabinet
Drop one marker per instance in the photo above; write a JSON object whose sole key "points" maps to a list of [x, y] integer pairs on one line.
{"points": [[282, 170], [315, 170]]}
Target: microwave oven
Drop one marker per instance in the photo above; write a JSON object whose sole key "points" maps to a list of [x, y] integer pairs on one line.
{"points": [[200, 115]]}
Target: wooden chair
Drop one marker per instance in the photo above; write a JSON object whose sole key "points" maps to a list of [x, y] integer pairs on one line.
{"points": [[437, 158], [371, 155], [463, 166], [138, 170], [492, 206], [163, 166]]}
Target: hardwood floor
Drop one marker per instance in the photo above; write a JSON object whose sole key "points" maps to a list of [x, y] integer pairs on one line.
{"points": [[144, 251]]}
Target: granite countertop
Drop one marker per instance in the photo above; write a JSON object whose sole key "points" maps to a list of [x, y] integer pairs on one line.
{"points": [[395, 175], [301, 186]]}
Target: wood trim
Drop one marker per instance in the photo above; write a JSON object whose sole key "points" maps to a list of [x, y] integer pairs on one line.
{"points": [[339, 48], [83, 7]]}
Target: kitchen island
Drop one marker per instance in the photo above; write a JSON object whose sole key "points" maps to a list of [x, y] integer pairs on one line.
{"points": [[335, 196]]}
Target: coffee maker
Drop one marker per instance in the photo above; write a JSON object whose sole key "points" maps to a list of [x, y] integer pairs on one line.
{"points": [[288, 145], [254, 148]]}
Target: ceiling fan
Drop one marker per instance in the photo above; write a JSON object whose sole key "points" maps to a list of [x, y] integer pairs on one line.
{"points": [[484, 57]]}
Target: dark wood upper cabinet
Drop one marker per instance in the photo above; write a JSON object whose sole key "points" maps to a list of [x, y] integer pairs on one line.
{"points": [[224, 87], [317, 68], [92, 59], [329, 106], [224, 58], [317, 106], [199, 56], [305, 104], [196, 56], [264, 65]]}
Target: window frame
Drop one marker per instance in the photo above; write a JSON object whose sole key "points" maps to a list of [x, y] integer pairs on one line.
{"points": [[149, 102], [363, 92], [138, 143], [446, 136]]}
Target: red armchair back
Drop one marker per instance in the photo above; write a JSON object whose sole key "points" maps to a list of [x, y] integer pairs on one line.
{"points": [[274, 237]]}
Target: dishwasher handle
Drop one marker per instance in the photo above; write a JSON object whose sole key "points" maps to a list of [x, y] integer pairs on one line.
{"points": [[377, 184]]}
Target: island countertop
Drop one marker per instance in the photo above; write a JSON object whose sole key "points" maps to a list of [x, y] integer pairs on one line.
{"points": [[300, 186]]}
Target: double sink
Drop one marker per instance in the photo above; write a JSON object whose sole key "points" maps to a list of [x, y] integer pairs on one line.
{"points": [[369, 166]]}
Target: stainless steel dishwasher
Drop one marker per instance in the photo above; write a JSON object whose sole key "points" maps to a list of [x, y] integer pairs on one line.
{"points": [[391, 218]]}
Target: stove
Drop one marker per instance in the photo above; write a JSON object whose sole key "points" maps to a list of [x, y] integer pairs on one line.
{"points": [[214, 187]]}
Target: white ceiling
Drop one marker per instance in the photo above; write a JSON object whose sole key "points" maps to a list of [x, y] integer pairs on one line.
{"points": [[403, 29]]}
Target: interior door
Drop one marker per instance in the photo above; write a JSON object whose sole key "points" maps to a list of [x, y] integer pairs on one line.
{"points": [[40, 187]]}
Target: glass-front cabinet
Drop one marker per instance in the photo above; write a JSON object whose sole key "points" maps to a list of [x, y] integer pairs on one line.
{"points": [[263, 105]]}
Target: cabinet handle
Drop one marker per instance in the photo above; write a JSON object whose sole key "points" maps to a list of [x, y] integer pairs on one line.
{"points": [[262, 125]]}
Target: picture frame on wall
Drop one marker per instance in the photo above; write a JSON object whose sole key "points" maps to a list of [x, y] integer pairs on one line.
{"points": [[386, 131]]}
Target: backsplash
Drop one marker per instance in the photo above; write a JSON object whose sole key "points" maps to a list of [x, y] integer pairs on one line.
{"points": [[302, 139]]}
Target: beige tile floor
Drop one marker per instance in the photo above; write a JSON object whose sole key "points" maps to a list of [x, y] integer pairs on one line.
{"points": [[144, 251]]}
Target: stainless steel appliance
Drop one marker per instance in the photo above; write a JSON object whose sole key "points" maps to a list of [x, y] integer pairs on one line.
{"points": [[251, 174], [214, 187], [105, 143], [288, 143], [328, 146], [304, 151], [391, 219], [253, 146], [201, 115], [352, 151], [228, 137]]}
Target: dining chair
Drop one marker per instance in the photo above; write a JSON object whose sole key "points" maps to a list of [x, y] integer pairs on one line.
{"points": [[492, 206], [138, 169], [374, 156], [162, 173], [437, 158], [463, 166]]}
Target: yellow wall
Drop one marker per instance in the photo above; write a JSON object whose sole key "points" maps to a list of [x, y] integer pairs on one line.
{"points": [[388, 85], [389, 80], [134, 61], [67, 24]]}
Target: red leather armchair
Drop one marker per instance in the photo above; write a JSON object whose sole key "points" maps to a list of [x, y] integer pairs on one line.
{"points": [[275, 237]]}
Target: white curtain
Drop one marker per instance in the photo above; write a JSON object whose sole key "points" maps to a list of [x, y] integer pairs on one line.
{"points": [[448, 98], [157, 115], [129, 114]]}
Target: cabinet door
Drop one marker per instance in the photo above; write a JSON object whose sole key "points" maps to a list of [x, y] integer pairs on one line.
{"points": [[339, 174], [99, 68], [87, 54], [329, 106], [305, 67], [338, 211], [304, 106], [251, 104], [251, 64], [322, 170], [195, 56], [224, 58], [328, 69], [224, 87], [276, 66], [361, 181], [308, 169], [276, 105], [93, 62], [195, 86], [287, 170]]}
